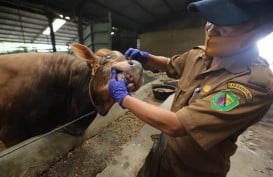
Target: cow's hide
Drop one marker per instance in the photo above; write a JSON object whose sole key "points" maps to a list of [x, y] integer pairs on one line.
{"points": [[41, 91]]}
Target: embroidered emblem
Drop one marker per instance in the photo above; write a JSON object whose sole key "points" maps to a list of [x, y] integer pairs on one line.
{"points": [[206, 88], [224, 101], [241, 88]]}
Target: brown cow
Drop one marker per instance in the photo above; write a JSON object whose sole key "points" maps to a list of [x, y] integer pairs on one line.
{"points": [[41, 91]]}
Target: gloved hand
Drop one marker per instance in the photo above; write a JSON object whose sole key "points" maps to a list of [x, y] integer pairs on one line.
{"points": [[117, 88], [136, 54]]}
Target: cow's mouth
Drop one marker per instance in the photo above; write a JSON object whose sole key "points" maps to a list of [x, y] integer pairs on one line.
{"points": [[131, 81], [131, 71]]}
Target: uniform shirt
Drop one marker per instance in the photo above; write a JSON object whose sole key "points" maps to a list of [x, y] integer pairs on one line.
{"points": [[215, 105]]}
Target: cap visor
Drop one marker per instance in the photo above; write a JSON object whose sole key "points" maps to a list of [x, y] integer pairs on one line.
{"points": [[218, 12]]}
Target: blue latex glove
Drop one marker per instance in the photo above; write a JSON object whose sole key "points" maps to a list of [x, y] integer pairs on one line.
{"points": [[136, 54], [117, 88]]}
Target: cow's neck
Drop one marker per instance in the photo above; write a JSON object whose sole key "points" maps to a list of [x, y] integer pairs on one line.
{"points": [[80, 78], [99, 91]]}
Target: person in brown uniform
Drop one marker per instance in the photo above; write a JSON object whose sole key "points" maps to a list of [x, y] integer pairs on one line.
{"points": [[224, 87]]}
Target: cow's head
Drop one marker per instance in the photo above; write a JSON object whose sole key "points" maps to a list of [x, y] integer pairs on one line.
{"points": [[101, 64]]}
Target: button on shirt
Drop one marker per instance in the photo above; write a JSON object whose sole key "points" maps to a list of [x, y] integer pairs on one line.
{"points": [[215, 105]]}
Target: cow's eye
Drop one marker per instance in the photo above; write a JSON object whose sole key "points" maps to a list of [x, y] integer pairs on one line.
{"points": [[108, 57]]}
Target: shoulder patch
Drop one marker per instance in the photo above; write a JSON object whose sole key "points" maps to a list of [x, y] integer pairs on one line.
{"points": [[243, 89], [224, 101]]}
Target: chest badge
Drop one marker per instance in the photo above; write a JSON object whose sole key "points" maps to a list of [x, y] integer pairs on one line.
{"points": [[241, 88], [224, 101], [206, 88]]}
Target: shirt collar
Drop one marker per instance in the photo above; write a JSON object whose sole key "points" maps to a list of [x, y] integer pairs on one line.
{"points": [[237, 63]]}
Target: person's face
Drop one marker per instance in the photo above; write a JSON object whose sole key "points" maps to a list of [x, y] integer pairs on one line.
{"points": [[227, 31]]}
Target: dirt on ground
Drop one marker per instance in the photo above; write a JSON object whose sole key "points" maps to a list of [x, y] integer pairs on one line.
{"points": [[97, 152], [254, 156]]}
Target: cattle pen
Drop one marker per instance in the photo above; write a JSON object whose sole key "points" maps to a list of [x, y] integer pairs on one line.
{"points": [[118, 144]]}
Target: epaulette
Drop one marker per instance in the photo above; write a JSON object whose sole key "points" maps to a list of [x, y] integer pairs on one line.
{"points": [[261, 76]]}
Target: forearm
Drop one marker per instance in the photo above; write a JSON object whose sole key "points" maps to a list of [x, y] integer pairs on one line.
{"points": [[158, 61], [160, 118]]}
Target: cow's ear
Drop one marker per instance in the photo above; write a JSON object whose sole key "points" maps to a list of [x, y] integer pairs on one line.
{"points": [[83, 52]]}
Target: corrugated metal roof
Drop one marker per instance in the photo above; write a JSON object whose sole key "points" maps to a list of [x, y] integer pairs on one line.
{"points": [[24, 20], [21, 26]]}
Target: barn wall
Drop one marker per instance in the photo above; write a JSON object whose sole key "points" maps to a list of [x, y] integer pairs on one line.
{"points": [[171, 42]]}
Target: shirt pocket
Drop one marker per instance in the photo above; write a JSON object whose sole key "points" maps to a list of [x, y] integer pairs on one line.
{"points": [[182, 97], [180, 91]]}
